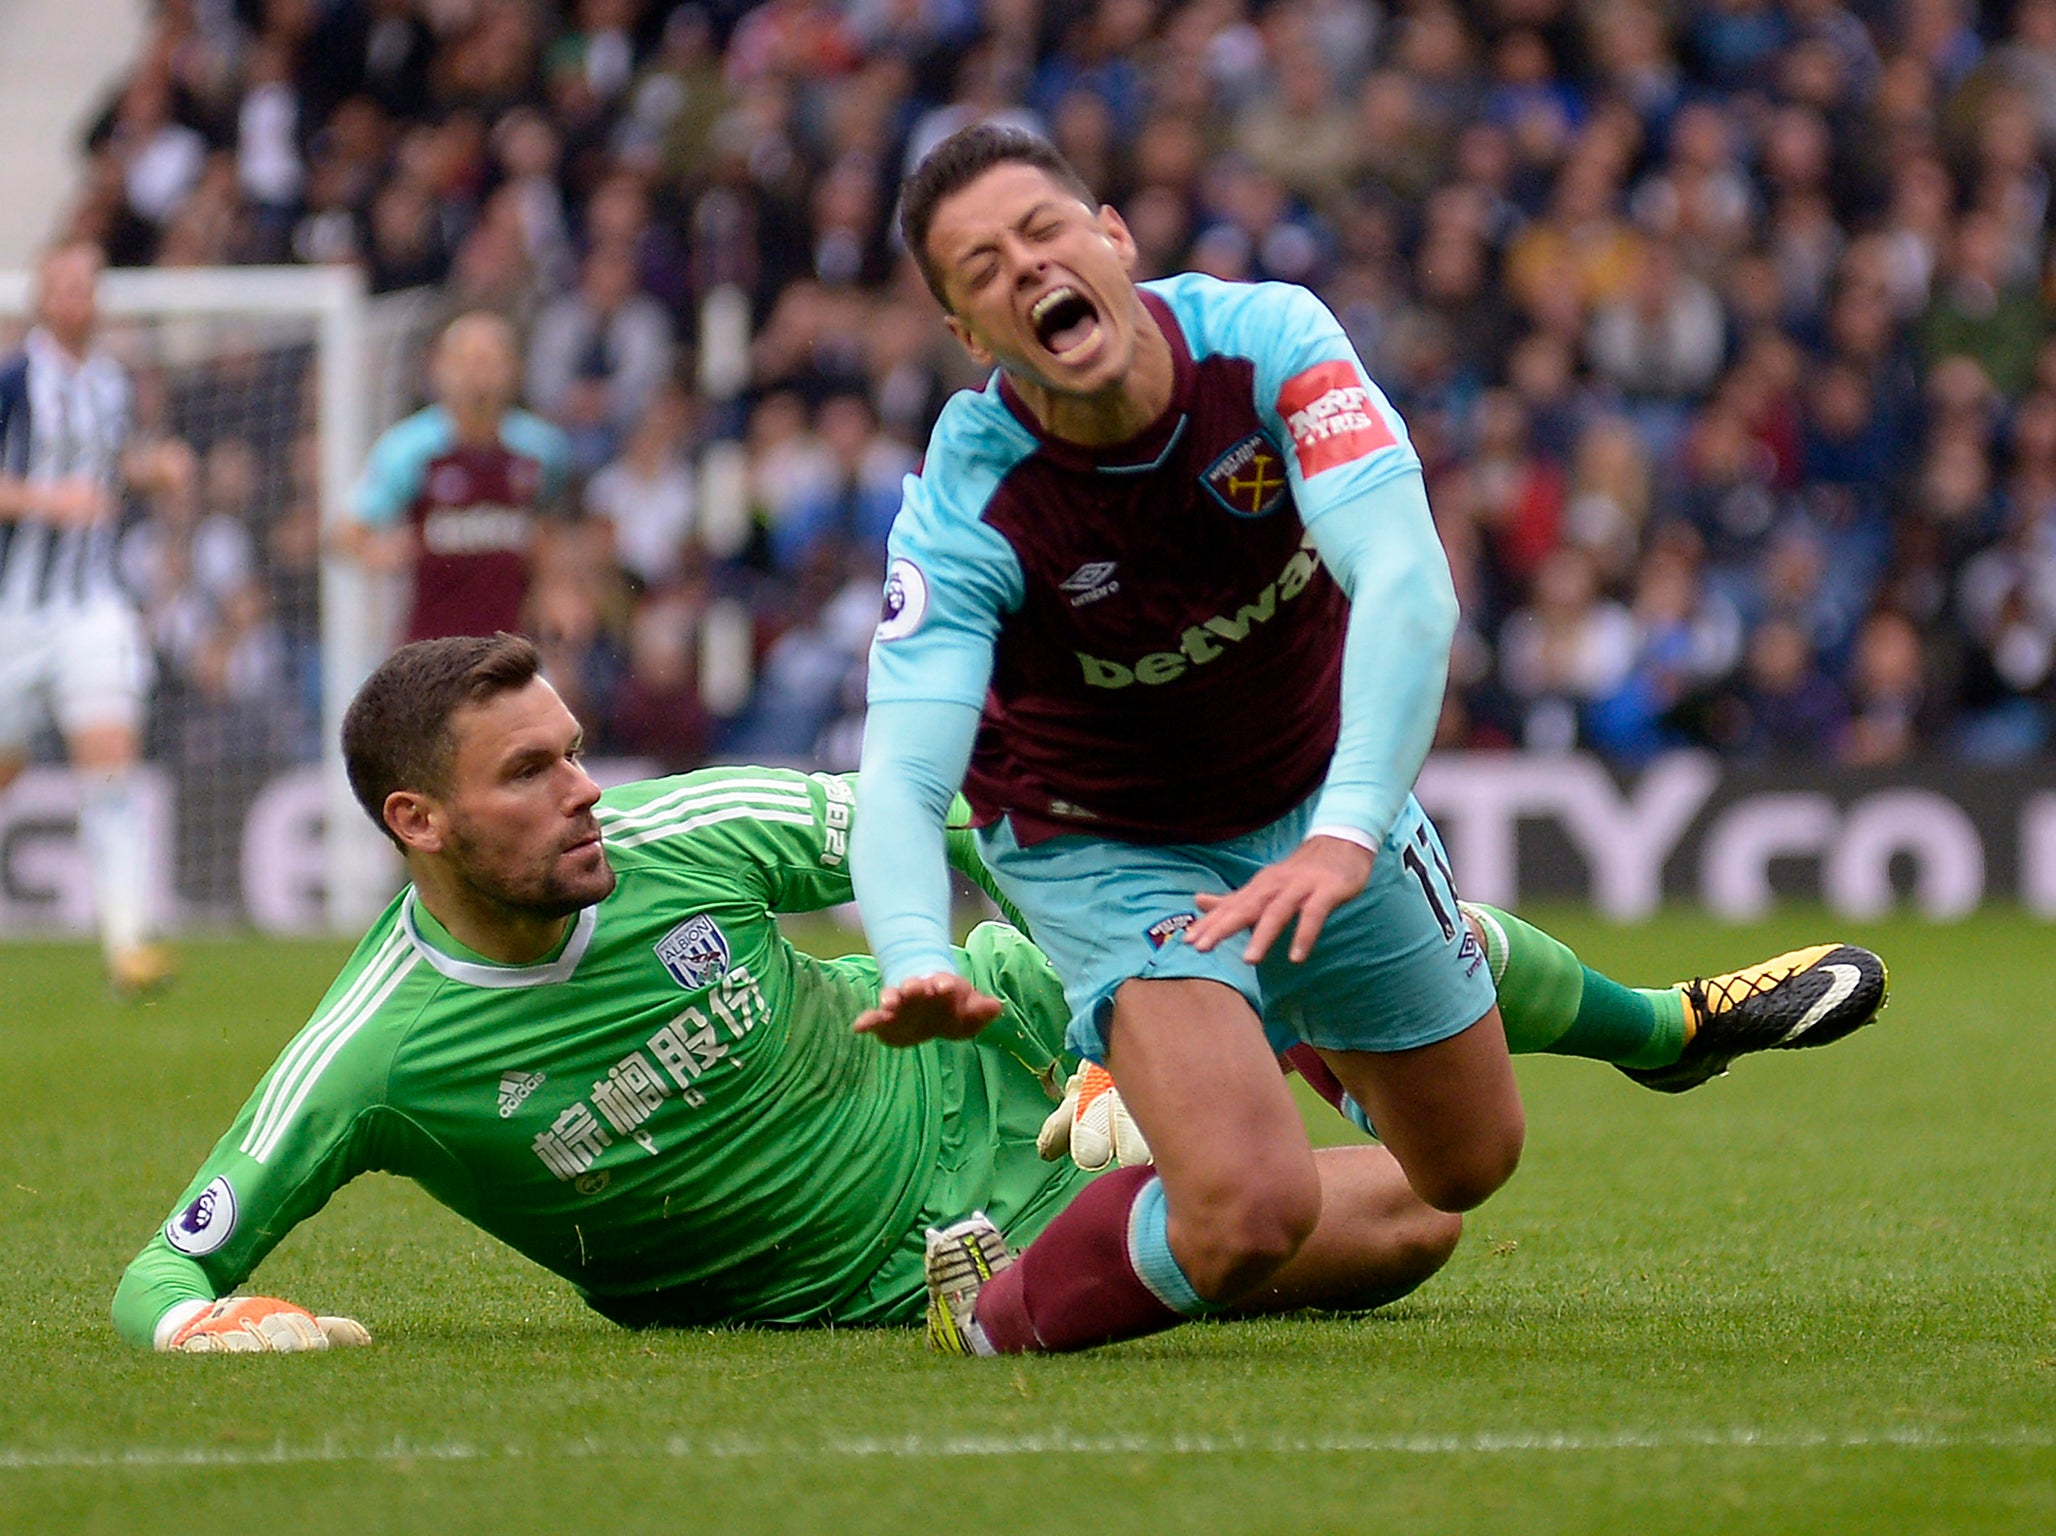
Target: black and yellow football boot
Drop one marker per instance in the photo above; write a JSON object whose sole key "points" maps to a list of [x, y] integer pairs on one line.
{"points": [[1806, 998]]}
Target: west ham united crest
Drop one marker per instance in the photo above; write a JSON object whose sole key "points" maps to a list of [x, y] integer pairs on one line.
{"points": [[1249, 479], [695, 952], [1160, 933]]}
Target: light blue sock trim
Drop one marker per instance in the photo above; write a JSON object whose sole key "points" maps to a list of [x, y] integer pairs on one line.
{"points": [[1353, 1112], [1149, 1251]]}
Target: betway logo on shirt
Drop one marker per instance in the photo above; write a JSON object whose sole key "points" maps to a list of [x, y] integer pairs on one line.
{"points": [[1327, 408], [475, 530], [1205, 641]]}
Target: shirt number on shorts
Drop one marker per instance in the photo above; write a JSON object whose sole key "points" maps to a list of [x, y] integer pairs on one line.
{"points": [[1417, 856]]}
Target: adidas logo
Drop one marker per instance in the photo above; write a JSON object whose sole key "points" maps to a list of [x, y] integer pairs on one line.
{"points": [[515, 1087], [1090, 582]]}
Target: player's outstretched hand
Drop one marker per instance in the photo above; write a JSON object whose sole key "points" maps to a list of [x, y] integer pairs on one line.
{"points": [[1307, 884], [262, 1324], [940, 1007]]}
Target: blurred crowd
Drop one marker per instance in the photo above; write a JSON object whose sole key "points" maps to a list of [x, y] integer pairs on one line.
{"points": [[1722, 328]]}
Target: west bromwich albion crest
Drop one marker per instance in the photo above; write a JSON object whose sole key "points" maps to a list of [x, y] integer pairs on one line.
{"points": [[1249, 479], [695, 952]]}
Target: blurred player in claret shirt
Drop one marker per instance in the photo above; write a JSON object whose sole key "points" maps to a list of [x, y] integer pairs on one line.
{"points": [[459, 491], [1167, 601], [70, 641]]}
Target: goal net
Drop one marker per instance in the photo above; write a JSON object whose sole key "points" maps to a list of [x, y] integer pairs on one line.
{"points": [[274, 380]]}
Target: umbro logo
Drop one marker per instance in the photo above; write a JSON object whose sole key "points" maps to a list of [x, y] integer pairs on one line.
{"points": [[1091, 582], [1469, 953], [515, 1087]]}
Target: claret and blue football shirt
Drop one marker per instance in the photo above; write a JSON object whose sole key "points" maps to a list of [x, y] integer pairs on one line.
{"points": [[1176, 639]]}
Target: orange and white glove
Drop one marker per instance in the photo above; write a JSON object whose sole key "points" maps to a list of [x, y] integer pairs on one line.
{"points": [[1093, 1125], [252, 1325]]}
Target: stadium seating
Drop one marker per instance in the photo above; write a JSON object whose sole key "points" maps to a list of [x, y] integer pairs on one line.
{"points": [[1723, 329]]}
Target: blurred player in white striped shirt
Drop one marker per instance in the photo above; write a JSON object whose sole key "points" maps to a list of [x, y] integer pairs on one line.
{"points": [[70, 642]]}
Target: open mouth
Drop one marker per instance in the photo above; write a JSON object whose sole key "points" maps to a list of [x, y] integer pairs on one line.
{"points": [[1065, 321]]}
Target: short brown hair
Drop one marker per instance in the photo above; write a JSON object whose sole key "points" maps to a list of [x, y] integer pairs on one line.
{"points": [[960, 160], [396, 732]]}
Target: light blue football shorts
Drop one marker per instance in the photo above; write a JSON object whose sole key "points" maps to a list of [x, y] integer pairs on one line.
{"points": [[1394, 969]]}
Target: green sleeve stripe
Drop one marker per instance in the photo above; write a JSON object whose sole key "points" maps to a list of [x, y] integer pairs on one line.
{"points": [[318, 1044], [788, 802]]}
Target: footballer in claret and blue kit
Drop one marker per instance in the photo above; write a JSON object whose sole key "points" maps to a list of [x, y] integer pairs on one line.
{"points": [[1125, 576]]}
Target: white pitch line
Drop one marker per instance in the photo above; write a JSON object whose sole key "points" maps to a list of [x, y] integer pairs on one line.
{"points": [[922, 1448]]}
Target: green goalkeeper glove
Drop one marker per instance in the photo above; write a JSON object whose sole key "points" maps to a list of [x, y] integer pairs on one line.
{"points": [[252, 1324]]}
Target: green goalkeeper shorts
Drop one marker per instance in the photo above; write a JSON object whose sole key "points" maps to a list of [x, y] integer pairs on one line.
{"points": [[998, 1090]]}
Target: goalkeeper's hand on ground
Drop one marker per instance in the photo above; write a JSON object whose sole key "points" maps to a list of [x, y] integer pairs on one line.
{"points": [[1092, 1125], [253, 1324]]}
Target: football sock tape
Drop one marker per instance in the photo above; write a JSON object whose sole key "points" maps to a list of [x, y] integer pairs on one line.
{"points": [[1551, 1003]]}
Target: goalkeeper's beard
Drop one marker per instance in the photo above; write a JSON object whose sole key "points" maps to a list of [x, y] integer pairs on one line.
{"points": [[550, 891]]}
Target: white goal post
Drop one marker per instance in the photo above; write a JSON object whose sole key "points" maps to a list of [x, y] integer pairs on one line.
{"points": [[349, 362]]}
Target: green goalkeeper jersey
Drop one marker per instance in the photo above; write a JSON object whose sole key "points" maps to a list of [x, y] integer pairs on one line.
{"points": [[672, 1103]]}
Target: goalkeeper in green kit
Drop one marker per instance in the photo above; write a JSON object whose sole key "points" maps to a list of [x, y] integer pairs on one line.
{"points": [[605, 1053]]}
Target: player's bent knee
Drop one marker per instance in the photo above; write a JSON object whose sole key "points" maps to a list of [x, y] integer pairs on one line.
{"points": [[1237, 1240], [1420, 1243], [1465, 1182], [1430, 1240]]}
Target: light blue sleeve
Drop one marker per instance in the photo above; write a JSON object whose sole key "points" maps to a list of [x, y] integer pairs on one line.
{"points": [[915, 754], [545, 442], [1395, 654], [950, 580], [393, 471], [1357, 482]]}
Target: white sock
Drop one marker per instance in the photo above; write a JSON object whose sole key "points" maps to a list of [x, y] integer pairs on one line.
{"points": [[112, 832]]}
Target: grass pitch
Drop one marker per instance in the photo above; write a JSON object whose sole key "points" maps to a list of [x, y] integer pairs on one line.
{"points": [[1814, 1297]]}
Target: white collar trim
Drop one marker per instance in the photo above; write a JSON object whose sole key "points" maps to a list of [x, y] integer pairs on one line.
{"points": [[478, 973]]}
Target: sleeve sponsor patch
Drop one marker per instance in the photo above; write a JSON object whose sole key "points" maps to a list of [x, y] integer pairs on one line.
{"points": [[906, 601], [1328, 411], [206, 1224]]}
